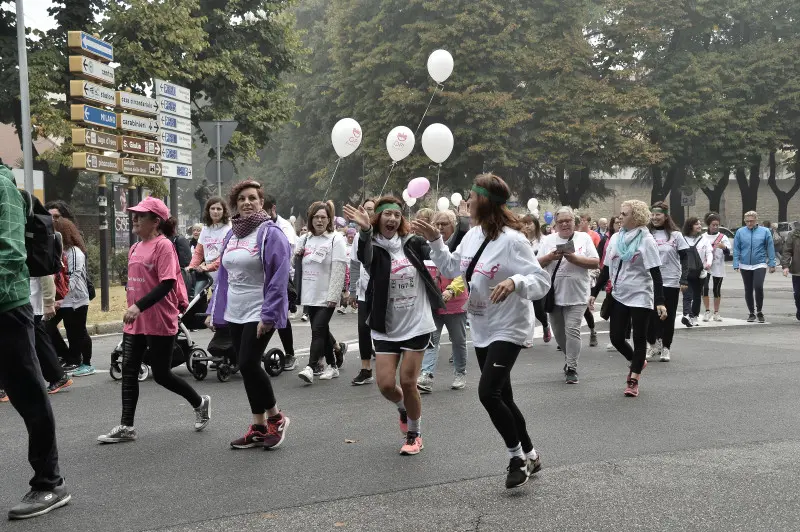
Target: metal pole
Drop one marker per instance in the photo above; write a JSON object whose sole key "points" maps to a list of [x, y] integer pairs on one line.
{"points": [[102, 202], [27, 145], [131, 203], [173, 197], [218, 127]]}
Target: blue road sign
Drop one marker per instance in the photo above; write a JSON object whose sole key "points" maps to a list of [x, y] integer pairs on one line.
{"points": [[93, 45], [94, 116]]}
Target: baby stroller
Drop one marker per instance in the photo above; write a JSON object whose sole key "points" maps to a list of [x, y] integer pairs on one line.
{"points": [[184, 347]]}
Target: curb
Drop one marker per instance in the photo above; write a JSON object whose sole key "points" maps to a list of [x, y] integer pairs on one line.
{"points": [[95, 329]]}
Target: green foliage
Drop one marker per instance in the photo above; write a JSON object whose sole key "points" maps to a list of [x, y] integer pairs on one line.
{"points": [[119, 263], [93, 259]]}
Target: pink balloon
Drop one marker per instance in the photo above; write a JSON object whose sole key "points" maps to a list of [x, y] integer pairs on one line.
{"points": [[418, 187]]}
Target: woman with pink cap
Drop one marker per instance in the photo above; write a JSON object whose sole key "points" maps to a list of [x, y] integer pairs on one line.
{"points": [[155, 297]]}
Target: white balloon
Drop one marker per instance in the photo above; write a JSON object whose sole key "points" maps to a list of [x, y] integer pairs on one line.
{"points": [[535, 213], [456, 199], [437, 142], [533, 204], [346, 137], [406, 197], [400, 143], [443, 204], [411, 201], [440, 65], [292, 218]]}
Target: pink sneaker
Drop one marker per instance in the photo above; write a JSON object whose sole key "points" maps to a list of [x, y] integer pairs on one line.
{"points": [[548, 335], [412, 446], [632, 390], [404, 422]]}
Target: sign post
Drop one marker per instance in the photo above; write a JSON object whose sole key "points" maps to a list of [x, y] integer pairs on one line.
{"points": [[173, 103], [221, 131]]}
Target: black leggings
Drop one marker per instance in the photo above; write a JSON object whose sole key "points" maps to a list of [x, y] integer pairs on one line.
{"points": [[692, 297], [541, 315], [46, 353], [364, 336], [250, 350], [621, 317], [494, 391], [322, 343], [717, 286], [664, 329], [754, 281], [80, 343], [160, 347], [287, 338], [589, 317]]}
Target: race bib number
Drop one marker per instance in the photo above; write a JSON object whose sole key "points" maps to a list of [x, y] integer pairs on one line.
{"points": [[319, 255]]}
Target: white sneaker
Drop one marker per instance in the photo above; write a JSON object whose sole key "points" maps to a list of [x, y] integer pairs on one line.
{"points": [[425, 383], [717, 317], [307, 375], [331, 372], [304, 317], [707, 316], [460, 382], [665, 354], [610, 347], [693, 321], [652, 352]]}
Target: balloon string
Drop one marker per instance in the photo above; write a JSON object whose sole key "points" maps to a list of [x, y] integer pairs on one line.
{"points": [[325, 197], [440, 86], [391, 169], [437, 180]]}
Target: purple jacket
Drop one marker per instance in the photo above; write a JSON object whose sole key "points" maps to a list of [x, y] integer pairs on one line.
{"points": [[275, 257]]}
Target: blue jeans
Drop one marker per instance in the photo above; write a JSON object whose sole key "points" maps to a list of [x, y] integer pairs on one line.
{"points": [[457, 328]]}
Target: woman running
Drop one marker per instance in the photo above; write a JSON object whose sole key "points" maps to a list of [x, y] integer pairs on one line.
{"points": [[359, 279], [672, 248], [251, 299], [636, 293], [155, 296], [721, 245], [216, 225], [753, 255], [503, 276], [401, 298], [532, 231], [693, 233]]}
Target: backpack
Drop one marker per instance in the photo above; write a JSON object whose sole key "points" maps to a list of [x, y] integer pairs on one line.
{"points": [[694, 263], [61, 280], [42, 243]]}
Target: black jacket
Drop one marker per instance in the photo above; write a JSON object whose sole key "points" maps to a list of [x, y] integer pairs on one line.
{"points": [[379, 264]]}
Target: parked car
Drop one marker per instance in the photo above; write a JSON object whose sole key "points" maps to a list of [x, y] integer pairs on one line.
{"points": [[730, 234]]}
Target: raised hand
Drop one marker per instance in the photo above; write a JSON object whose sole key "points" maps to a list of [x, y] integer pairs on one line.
{"points": [[425, 229], [359, 216]]}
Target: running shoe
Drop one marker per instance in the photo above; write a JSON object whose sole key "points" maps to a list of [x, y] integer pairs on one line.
{"points": [[289, 362], [558, 348], [413, 444], [340, 353], [652, 352], [307, 375], [36, 503], [119, 434], [707, 316], [548, 334], [686, 320], [331, 372], [304, 317], [425, 383], [459, 382], [276, 431], [751, 318], [70, 368], [84, 370], [319, 369], [717, 317], [254, 437], [534, 465], [632, 390], [364, 377], [3, 396], [404, 422], [693, 321], [201, 413], [592, 338], [450, 360], [610, 347], [341, 310], [63, 382], [665, 354], [517, 473], [571, 376], [761, 318]]}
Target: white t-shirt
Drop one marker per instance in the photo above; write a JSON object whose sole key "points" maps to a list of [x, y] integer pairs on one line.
{"points": [[78, 295], [670, 259], [408, 311], [510, 256], [242, 260], [634, 287], [363, 274], [318, 256], [37, 301], [703, 248], [572, 283], [718, 264], [212, 237]]}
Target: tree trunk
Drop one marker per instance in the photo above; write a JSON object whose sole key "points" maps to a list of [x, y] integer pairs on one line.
{"points": [[676, 210], [661, 185], [561, 185], [579, 183], [714, 195], [749, 188], [783, 197]]}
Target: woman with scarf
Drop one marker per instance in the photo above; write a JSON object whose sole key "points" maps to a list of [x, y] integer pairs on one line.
{"points": [[252, 300], [503, 277], [633, 264], [402, 297]]}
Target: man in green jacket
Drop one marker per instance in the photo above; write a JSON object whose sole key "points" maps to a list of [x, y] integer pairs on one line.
{"points": [[791, 263], [20, 375]]}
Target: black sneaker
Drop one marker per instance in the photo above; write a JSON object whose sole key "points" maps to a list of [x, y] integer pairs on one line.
{"points": [[69, 368], [289, 362], [63, 382], [751, 318], [592, 338], [36, 503], [364, 377], [517, 473], [340, 353], [686, 321], [571, 376], [761, 318]]}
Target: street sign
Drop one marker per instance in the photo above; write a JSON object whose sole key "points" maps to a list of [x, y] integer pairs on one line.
{"points": [[140, 167], [170, 90], [173, 138], [687, 201], [175, 123], [86, 67], [176, 170], [140, 146], [176, 155], [94, 139], [174, 107], [226, 130], [138, 124], [93, 115], [226, 171], [86, 90], [92, 161], [136, 103], [82, 41]]}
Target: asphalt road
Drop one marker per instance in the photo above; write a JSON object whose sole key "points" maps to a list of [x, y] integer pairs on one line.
{"points": [[712, 443]]}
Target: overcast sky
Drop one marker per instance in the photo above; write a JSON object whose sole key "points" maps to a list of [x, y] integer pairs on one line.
{"points": [[35, 13]]}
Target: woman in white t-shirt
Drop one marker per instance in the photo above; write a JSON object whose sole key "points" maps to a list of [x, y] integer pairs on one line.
{"points": [[321, 262], [672, 250], [359, 279], [693, 233], [721, 247], [533, 232], [401, 298], [633, 264], [216, 220], [503, 275]]}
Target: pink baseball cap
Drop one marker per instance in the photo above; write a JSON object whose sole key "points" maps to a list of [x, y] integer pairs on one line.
{"points": [[154, 205]]}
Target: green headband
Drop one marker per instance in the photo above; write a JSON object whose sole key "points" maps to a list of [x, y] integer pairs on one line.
{"points": [[486, 194], [388, 206], [661, 210]]}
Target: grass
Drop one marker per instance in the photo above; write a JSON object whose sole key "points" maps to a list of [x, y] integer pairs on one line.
{"points": [[117, 305]]}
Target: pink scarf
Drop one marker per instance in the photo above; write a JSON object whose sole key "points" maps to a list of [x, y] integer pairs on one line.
{"points": [[242, 227]]}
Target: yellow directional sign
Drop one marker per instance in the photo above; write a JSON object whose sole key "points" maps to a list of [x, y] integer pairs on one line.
{"points": [[92, 161], [140, 167], [95, 139], [92, 92]]}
